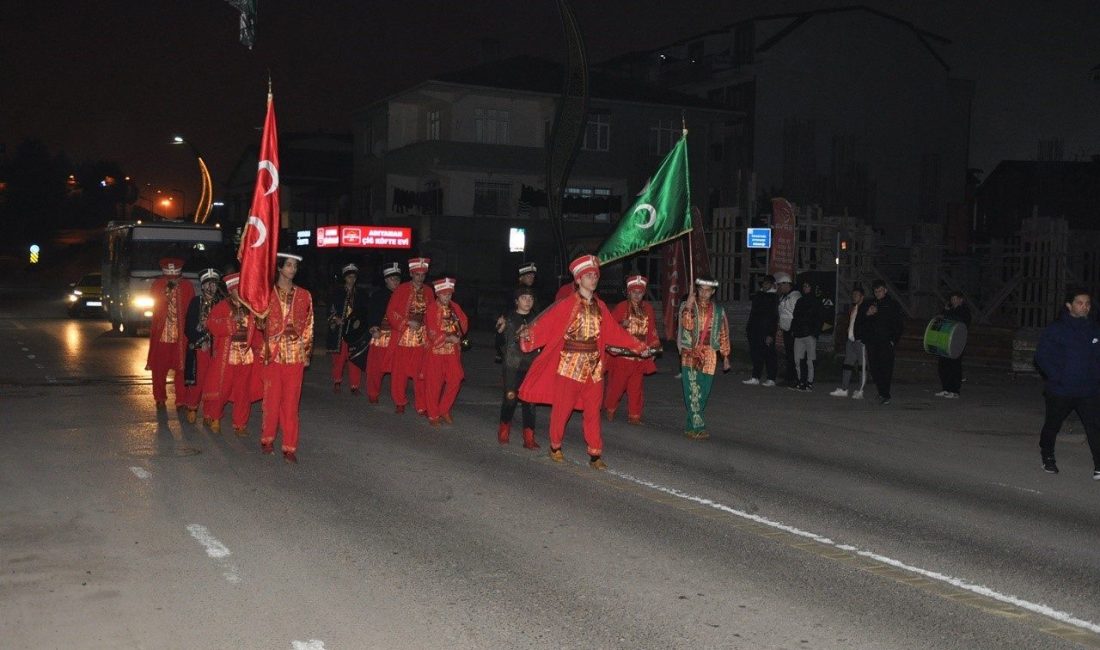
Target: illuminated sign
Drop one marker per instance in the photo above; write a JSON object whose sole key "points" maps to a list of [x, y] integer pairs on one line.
{"points": [[517, 240], [364, 237]]}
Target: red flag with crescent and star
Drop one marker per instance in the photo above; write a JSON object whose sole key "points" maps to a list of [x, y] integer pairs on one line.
{"points": [[260, 239]]}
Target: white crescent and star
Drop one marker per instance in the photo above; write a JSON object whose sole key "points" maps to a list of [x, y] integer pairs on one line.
{"points": [[651, 213], [270, 167], [256, 223]]}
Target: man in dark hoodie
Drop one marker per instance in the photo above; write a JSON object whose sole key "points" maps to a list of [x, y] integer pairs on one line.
{"points": [[883, 331], [805, 328], [760, 331], [1069, 357]]}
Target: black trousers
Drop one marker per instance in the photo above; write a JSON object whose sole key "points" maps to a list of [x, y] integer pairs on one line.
{"points": [[763, 355], [790, 372], [880, 360], [508, 404], [951, 374], [1058, 409]]}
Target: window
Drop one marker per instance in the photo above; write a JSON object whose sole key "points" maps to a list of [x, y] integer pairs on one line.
{"points": [[433, 125], [661, 137], [492, 199], [597, 133], [491, 125]]}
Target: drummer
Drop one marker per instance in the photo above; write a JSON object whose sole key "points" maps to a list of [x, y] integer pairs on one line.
{"points": [[883, 331], [951, 370], [344, 300]]}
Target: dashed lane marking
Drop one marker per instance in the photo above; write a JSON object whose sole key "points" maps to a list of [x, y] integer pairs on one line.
{"points": [[312, 644], [215, 550], [141, 473]]}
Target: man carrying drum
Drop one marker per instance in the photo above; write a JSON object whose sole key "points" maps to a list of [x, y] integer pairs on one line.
{"points": [[951, 370]]}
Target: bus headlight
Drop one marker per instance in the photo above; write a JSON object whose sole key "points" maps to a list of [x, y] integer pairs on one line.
{"points": [[143, 302]]}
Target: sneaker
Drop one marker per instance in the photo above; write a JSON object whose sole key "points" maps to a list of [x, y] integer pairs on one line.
{"points": [[1096, 474], [768, 383], [808, 387], [795, 387], [857, 395], [840, 392], [952, 396], [884, 401], [751, 381], [943, 393], [1050, 467]]}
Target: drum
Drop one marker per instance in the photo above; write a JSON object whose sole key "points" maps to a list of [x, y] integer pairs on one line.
{"points": [[945, 338], [358, 337]]}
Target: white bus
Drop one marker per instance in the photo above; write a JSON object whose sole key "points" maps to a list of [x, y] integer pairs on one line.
{"points": [[131, 261]]}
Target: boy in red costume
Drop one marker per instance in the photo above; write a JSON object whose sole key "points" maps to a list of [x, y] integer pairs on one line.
{"points": [[409, 342], [625, 371], [233, 375], [167, 340], [289, 331], [446, 324], [380, 355], [568, 374]]}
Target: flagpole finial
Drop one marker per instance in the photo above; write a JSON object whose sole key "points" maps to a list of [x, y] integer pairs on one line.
{"points": [[683, 122], [269, 94]]}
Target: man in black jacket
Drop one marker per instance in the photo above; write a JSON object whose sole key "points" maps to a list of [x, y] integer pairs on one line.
{"points": [[344, 301], [760, 331], [951, 370], [883, 331], [805, 328]]}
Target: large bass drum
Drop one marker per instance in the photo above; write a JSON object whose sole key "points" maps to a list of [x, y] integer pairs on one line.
{"points": [[945, 337]]}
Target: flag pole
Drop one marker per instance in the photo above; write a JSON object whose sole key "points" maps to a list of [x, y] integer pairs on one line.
{"points": [[691, 258]]}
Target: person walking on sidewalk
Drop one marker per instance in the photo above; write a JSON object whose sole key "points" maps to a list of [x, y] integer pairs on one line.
{"points": [[951, 370], [1068, 355], [805, 328], [760, 331], [855, 353], [884, 327]]}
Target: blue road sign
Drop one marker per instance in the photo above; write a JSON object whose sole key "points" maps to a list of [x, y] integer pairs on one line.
{"points": [[758, 238]]}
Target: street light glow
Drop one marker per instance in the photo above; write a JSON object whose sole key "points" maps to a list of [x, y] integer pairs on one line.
{"points": [[177, 140]]}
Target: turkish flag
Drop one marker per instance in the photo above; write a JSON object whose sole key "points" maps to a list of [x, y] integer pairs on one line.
{"points": [[260, 239]]}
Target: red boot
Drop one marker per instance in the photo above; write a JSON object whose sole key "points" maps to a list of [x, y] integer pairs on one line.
{"points": [[529, 439], [504, 432]]}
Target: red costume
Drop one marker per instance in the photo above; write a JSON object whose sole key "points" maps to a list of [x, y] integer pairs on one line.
{"points": [[234, 375], [446, 325], [289, 331], [167, 339], [568, 374], [625, 372], [409, 346]]}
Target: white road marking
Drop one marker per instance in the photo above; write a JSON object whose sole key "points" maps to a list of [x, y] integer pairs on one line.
{"points": [[1037, 608], [216, 550], [312, 644], [30, 356], [141, 473], [1017, 488], [39, 366], [25, 349]]}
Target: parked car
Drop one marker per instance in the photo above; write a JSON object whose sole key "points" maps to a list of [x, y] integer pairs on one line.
{"points": [[86, 296]]}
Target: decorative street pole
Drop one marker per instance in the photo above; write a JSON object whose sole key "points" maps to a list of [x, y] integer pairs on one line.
{"points": [[206, 198]]}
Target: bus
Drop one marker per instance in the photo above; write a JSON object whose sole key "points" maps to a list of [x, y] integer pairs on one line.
{"points": [[131, 261]]}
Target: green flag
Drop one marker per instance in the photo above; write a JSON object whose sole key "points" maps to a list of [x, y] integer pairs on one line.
{"points": [[662, 211]]}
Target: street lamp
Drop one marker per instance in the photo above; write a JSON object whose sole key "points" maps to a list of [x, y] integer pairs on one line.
{"points": [[202, 209]]}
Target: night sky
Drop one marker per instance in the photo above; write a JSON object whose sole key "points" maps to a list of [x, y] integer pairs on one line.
{"points": [[115, 80]]}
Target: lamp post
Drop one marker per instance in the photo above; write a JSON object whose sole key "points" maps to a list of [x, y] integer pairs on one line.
{"points": [[202, 209]]}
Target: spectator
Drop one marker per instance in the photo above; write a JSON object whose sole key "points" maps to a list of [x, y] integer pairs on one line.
{"points": [[787, 301], [854, 350], [760, 331], [806, 324], [951, 370], [884, 328]]}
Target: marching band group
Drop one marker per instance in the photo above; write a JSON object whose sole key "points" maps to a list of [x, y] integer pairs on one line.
{"points": [[577, 354]]}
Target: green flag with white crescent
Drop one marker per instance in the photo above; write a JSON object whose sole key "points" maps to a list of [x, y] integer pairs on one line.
{"points": [[662, 211]]}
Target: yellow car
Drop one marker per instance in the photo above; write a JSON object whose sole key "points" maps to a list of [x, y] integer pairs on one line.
{"points": [[86, 296]]}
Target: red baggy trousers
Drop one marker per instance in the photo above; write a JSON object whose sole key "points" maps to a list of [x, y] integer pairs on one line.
{"points": [[339, 360], [408, 363], [566, 394], [624, 376], [282, 392], [442, 378]]}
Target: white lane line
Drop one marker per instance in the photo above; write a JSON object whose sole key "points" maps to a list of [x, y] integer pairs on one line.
{"points": [[1037, 608], [215, 550], [1016, 488], [25, 349], [30, 356], [141, 473], [312, 644]]}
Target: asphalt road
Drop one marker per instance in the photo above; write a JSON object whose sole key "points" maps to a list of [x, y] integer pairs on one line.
{"points": [[806, 521]]}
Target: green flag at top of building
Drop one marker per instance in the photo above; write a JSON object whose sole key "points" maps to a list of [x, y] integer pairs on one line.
{"points": [[662, 211]]}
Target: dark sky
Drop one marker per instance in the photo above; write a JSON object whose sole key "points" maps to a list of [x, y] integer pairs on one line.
{"points": [[115, 80]]}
